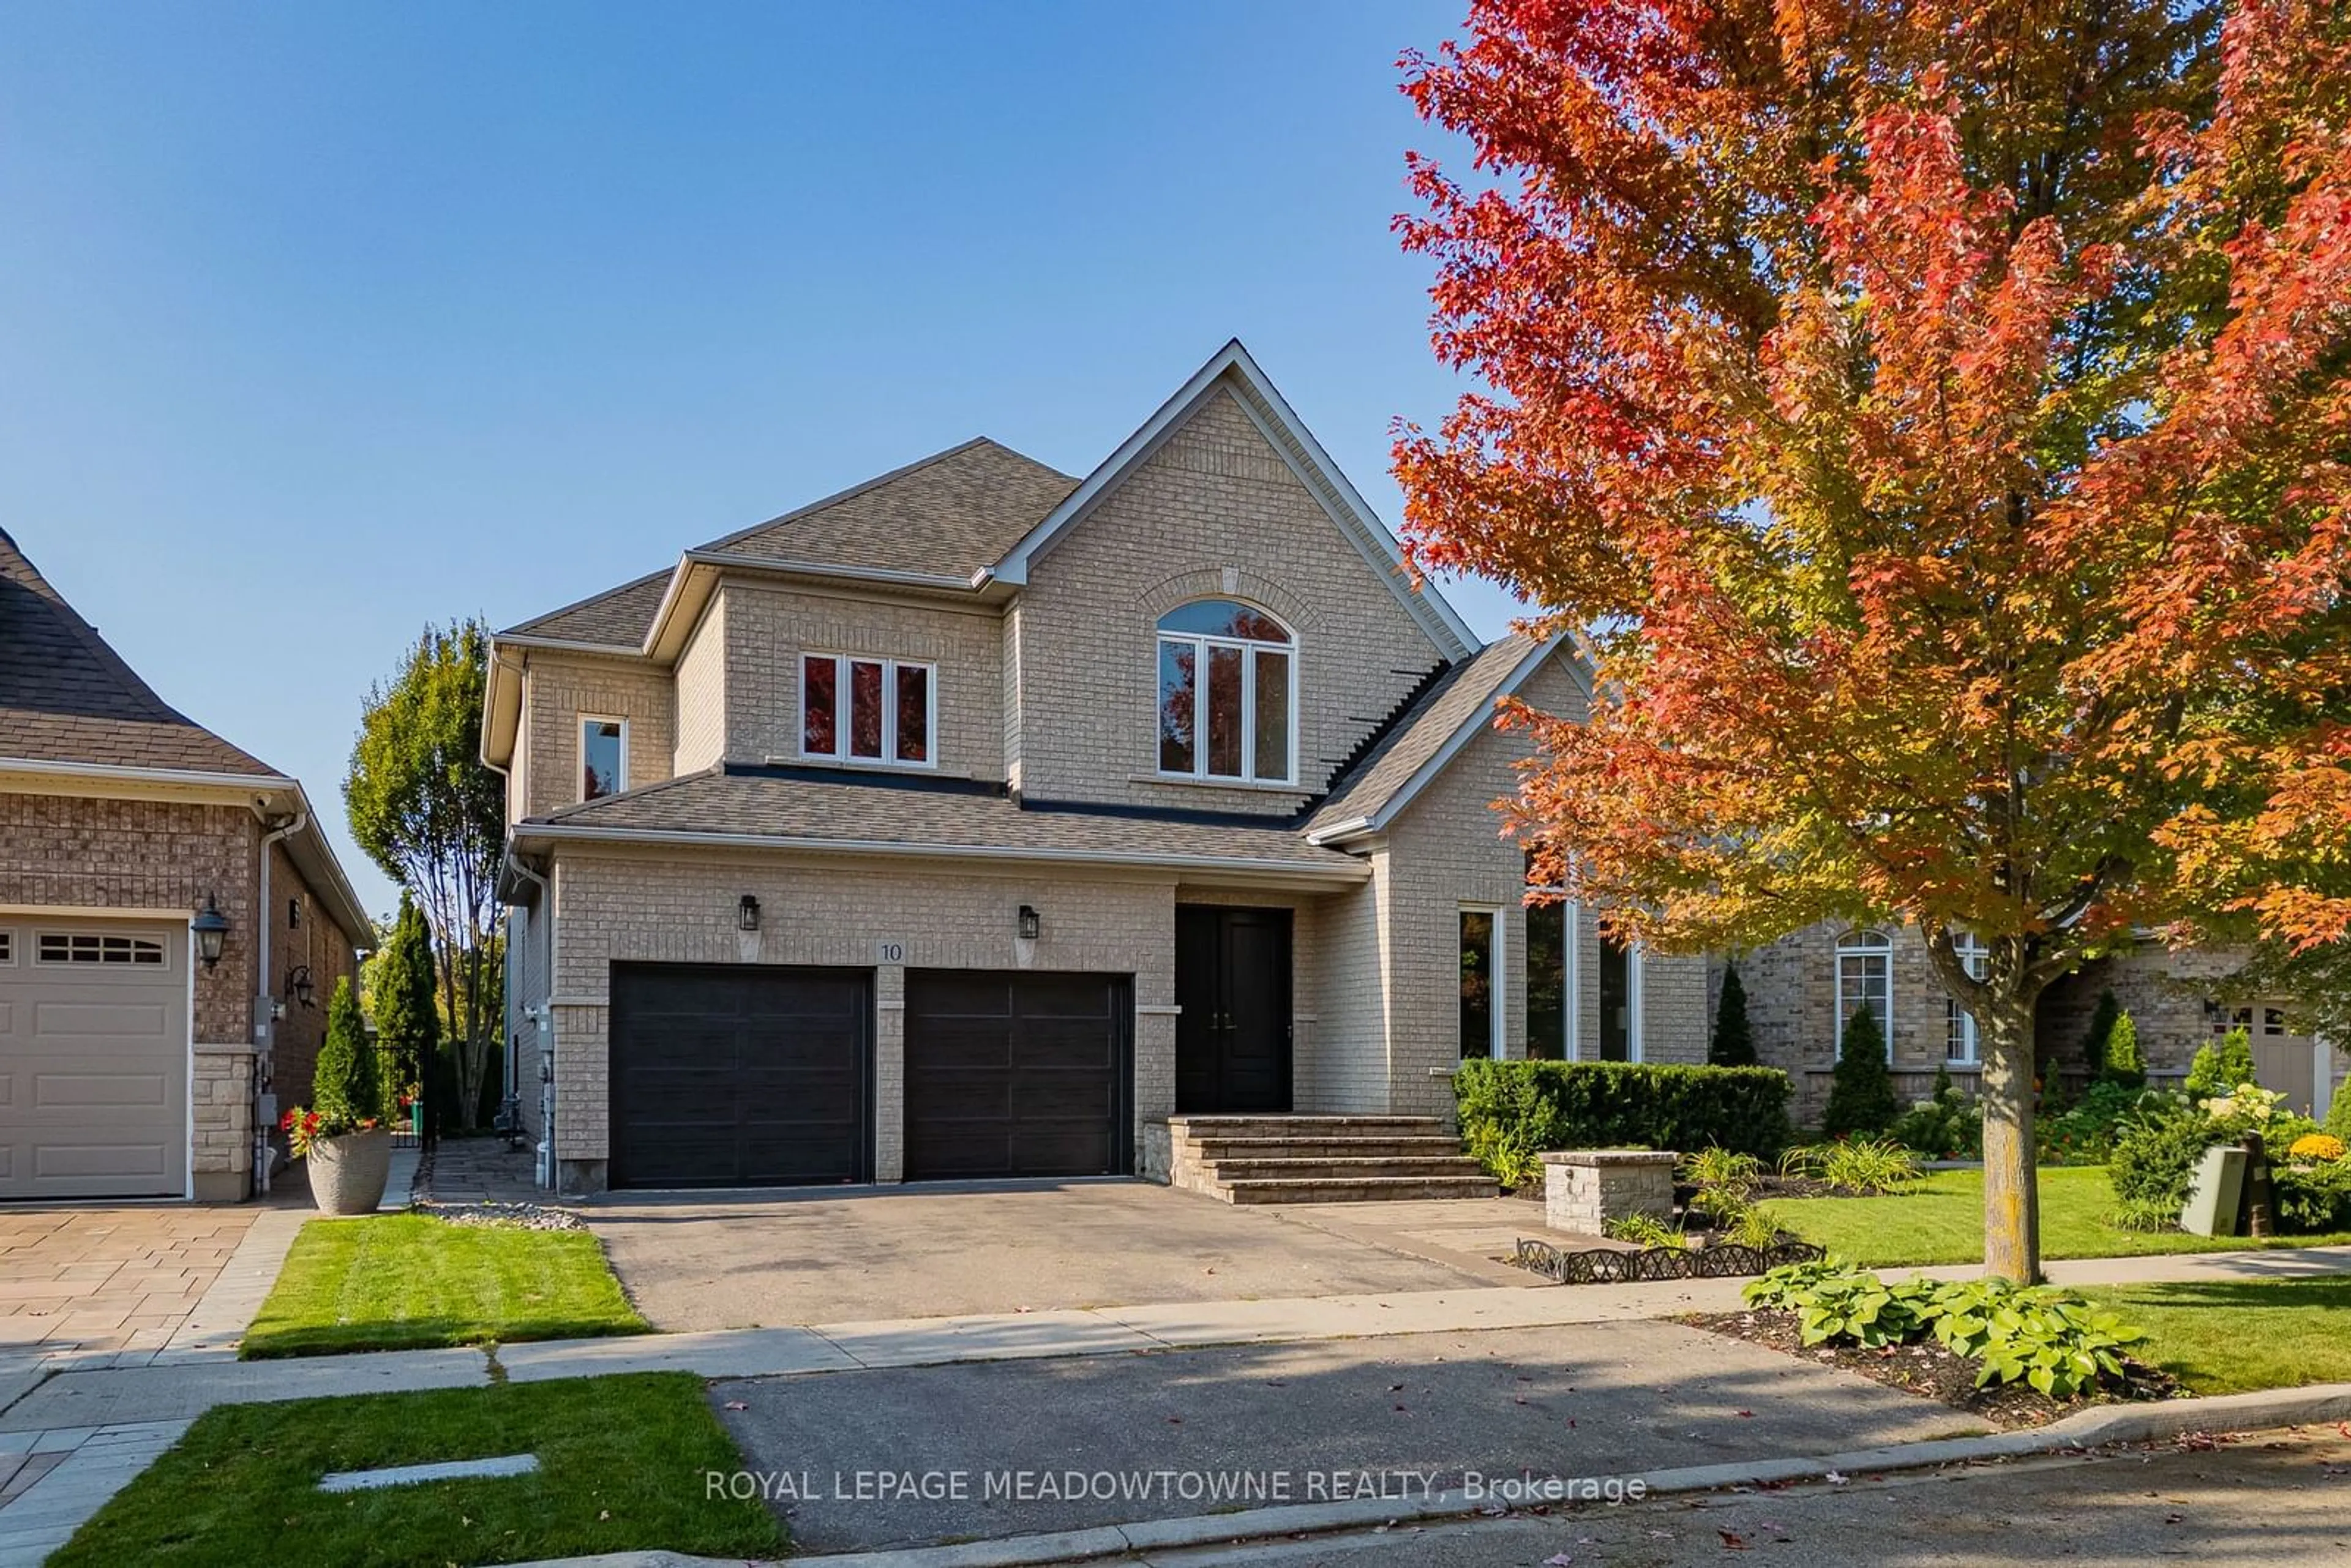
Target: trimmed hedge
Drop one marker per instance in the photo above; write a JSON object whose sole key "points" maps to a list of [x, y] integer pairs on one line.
{"points": [[1513, 1111]]}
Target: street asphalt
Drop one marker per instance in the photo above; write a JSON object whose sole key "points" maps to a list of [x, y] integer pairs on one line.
{"points": [[2277, 1499], [862, 1461]]}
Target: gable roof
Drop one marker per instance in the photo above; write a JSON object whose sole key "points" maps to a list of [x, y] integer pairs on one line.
{"points": [[1455, 710], [945, 516], [954, 513], [1231, 368], [67, 696]]}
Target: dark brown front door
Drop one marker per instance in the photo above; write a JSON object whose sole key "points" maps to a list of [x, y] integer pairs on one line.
{"points": [[1232, 1037], [741, 1075], [1018, 1073]]}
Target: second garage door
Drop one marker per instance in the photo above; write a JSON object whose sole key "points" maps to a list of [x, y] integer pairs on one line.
{"points": [[1018, 1074], [740, 1075]]}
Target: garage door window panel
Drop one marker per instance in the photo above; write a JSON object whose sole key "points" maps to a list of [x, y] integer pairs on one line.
{"points": [[72, 948]]}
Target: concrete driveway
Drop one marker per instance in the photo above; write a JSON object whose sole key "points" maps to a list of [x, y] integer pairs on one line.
{"points": [[745, 1259]]}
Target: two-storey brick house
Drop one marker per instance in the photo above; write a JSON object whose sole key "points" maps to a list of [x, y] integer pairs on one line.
{"points": [[977, 818]]}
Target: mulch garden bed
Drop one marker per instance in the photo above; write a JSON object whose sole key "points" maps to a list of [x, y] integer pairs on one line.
{"points": [[1929, 1370]]}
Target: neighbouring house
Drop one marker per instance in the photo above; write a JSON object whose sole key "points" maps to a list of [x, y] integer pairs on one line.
{"points": [[975, 821], [1802, 988], [133, 1063]]}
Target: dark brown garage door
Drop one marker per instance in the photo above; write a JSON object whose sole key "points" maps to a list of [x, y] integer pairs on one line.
{"points": [[741, 1075], [1013, 1074]]}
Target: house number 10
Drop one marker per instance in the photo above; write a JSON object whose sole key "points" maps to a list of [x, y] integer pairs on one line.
{"points": [[889, 953]]}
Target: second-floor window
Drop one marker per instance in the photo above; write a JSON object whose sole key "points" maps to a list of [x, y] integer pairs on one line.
{"points": [[855, 709], [603, 757], [1227, 693]]}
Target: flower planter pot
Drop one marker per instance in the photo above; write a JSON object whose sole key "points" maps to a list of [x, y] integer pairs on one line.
{"points": [[347, 1173]]}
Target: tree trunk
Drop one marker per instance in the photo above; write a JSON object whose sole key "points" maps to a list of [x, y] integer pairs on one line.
{"points": [[2012, 1195]]}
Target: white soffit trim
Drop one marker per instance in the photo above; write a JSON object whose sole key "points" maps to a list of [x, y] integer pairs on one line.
{"points": [[1232, 367], [1470, 729]]}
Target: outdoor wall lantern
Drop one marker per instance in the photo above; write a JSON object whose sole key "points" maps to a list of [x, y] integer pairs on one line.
{"points": [[1032, 923], [298, 986], [211, 927], [746, 914]]}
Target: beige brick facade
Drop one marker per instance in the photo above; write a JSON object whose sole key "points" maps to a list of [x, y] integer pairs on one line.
{"points": [[560, 690], [92, 854]]}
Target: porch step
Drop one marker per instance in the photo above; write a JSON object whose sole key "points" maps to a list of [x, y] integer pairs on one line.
{"points": [[1355, 1190], [1219, 1149], [1257, 1159], [1231, 1171]]}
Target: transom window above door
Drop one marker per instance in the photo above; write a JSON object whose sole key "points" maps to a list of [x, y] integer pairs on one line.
{"points": [[856, 709], [1227, 693]]}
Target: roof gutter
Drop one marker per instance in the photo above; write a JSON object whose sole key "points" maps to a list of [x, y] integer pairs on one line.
{"points": [[185, 779], [1346, 874]]}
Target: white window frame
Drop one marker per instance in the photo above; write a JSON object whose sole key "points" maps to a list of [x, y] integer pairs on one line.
{"points": [[1973, 955], [579, 782], [7, 947], [1570, 986], [1864, 941], [1200, 642], [840, 701], [1498, 1026]]}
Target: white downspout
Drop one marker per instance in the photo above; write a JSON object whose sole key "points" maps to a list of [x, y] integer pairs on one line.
{"points": [[265, 1022], [542, 1019]]}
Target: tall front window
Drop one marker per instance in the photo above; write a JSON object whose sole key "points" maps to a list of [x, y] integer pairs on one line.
{"points": [[1227, 689], [1962, 1044], [866, 710], [1866, 980], [1619, 1000], [1481, 998], [603, 757], [1550, 973]]}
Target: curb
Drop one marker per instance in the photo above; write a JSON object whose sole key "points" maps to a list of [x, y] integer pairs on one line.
{"points": [[2316, 1404]]}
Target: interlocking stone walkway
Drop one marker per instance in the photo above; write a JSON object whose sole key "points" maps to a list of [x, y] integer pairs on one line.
{"points": [[478, 1170], [111, 1278]]}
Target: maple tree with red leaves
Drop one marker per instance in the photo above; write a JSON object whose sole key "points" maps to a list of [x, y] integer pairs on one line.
{"points": [[1934, 418]]}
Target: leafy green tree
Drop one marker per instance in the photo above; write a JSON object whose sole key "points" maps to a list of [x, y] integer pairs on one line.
{"points": [[348, 1086], [2123, 1064], [2222, 1065], [1861, 1095], [1733, 1044], [425, 808], [404, 997]]}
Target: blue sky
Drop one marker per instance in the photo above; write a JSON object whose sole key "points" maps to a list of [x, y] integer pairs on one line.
{"points": [[318, 322]]}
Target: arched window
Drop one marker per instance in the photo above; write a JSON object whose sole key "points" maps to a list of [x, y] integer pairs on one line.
{"points": [[1961, 1045], [1227, 693], [1865, 962]]}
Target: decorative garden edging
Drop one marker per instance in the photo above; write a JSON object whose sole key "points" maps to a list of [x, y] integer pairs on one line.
{"points": [[1619, 1266]]}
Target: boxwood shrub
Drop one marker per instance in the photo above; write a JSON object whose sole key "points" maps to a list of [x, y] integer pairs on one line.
{"points": [[1513, 1111]]}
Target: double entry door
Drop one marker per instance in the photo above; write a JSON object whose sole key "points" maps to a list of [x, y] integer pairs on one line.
{"points": [[1233, 984]]}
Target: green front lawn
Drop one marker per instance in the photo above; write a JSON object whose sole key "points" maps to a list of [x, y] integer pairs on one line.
{"points": [[402, 1282], [2237, 1336], [623, 1462], [1941, 1221]]}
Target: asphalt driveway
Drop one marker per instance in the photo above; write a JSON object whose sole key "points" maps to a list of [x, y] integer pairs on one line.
{"points": [[865, 1460], [822, 1256]]}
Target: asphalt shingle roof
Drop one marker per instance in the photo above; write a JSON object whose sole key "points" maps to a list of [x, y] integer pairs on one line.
{"points": [[838, 804], [948, 514], [67, 696], [1465, 691]]}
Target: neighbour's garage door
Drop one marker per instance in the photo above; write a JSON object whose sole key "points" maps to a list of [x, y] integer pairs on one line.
{"points": [[740, 1075], [94, 1058], [1011, 1075]]}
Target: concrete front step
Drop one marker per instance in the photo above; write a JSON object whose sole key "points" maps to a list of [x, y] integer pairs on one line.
{"points": [[1212, 1151], [1270, 1126], [1352, 1189], [1287, 1168]]}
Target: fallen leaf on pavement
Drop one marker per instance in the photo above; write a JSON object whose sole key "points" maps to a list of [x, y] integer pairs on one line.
{"points": [[736, 1405], [1560, 1560], [1833, 1479], [1731, 1542]]}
